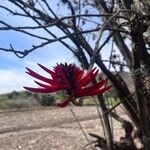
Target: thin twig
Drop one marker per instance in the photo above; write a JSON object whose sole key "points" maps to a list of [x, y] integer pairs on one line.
{"points": [[100, 117], [82, 129], [112, 108]]}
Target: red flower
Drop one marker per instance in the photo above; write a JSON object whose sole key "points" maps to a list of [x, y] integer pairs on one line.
{"points": [[69, 78]]}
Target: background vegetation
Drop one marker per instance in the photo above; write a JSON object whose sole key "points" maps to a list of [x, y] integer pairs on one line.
{"points": [[24, 99]]}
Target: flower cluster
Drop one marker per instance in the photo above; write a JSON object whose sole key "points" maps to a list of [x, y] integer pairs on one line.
{"points": [[69, 78]]}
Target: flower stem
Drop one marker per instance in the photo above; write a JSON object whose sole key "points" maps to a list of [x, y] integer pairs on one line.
{"points": [[82, 129]]}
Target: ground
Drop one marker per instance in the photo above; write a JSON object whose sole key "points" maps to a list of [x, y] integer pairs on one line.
{"points": [[50, 128]]}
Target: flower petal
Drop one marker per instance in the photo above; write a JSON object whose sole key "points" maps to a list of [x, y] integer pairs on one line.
{"points": [[77, 74], [36, 75], [65, 103], [88, 92], [55, 87], [49, 71], [99, 91], [98, 85], [88, 78], [92, 88], [41, 90]]}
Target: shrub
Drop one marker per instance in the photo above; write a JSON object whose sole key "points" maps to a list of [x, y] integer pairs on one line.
{"points": [[45, 99], [9, 95], [18, 104], [15, 93]]}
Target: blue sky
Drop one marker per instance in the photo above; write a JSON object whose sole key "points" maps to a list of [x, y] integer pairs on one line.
{"points": [[12, 68]]}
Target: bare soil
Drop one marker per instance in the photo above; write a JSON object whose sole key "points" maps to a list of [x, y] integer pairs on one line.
{"points": [[50, 128]]}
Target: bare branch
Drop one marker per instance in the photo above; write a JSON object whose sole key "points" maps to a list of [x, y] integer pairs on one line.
{"points": [[9, 27]]}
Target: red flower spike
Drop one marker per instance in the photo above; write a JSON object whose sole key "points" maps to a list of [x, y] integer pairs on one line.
{"points": [[80, 75], [39, 90], [61, 76], [99, 91], [88, 78], [88, 92], [98, 85], [69, 78], [48, 71], [36, 75], [53, 87]]}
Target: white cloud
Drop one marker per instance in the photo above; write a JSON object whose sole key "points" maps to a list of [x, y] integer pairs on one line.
{"points": [[13, 80], [16, 78]]}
